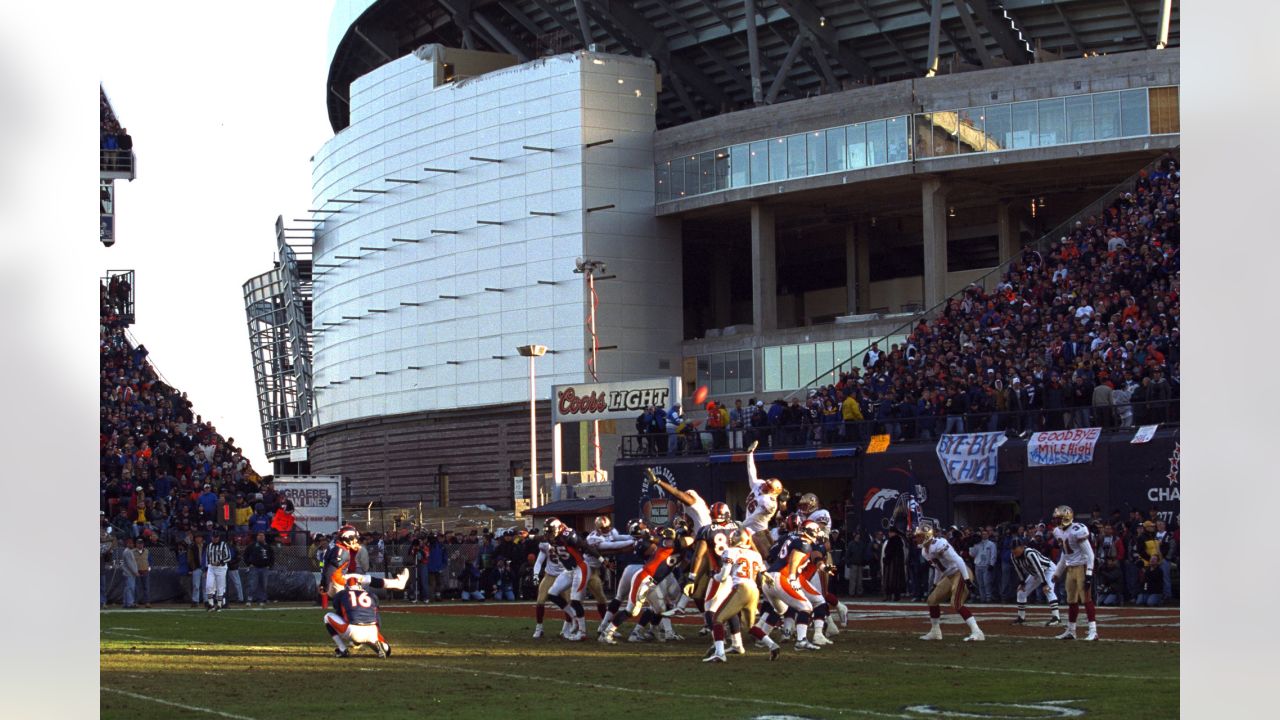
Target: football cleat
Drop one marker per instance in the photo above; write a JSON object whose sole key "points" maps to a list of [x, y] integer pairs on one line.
{"points": [[606, 638], [714, 657], [762, 644], [786, 634], [1020, 621], [386, 648], [710, 651], [1066, 635], [736, 650], [806, 645], [537, 632], [576, 637], [820, 639], [934, 634], [773, 653], [380, 649], [636, 637], [843, 611], [1052, 621], [976, 636], [341, 653], [704, 631], [1093, 635], [831, 630]]}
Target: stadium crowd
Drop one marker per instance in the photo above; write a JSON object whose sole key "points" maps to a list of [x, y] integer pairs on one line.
{"points": [[1084, 334]]}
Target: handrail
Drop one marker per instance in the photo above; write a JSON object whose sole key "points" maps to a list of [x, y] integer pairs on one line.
{"points": [[1058, 231]]}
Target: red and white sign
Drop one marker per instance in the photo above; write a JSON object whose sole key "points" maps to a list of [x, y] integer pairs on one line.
{"points": [[610, 401]]}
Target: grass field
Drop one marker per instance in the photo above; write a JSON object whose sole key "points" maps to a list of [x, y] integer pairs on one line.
{"points": [[479, 661]]}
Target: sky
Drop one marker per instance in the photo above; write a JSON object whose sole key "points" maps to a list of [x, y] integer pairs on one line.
{"points": [[224, 122]]}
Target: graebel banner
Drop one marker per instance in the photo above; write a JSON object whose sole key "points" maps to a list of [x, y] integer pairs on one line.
{"points": [[611, 401], [317, 501]]}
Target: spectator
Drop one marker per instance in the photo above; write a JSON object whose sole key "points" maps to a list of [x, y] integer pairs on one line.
{"points": [[644, 429], [893, 560], [195, 561], [855, 559], [130, 565], [1152, 583], [737, 425], [260, 558], [1110, 583], [984, 561]]}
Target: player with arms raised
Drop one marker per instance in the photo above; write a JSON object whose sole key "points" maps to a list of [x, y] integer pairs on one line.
{"points": [[356, 621], [1076, 562], [951, 582], [762, 503]]}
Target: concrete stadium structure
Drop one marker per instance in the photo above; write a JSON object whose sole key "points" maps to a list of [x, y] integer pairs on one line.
{"points": [[771, 186]]}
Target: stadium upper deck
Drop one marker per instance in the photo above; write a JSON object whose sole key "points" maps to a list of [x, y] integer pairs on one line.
{"points": [[715, 56]]}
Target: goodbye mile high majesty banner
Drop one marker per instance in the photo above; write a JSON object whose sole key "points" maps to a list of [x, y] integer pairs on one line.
{"points": [[1062, 447], [970, 458]]}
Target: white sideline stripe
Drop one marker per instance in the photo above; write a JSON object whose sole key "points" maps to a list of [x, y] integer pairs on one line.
{"points": [[1037, 672], [618, 688], [211, 711]]}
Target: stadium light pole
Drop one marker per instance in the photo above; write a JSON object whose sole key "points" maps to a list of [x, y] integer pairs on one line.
{"points": [[533, 352]]}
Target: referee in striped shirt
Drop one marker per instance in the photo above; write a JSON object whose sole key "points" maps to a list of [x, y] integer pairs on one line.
{"points": [[216, 556], [1034, 570]]}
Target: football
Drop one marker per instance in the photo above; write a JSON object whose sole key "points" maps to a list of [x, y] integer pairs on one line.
{"points": [[700, 395]]}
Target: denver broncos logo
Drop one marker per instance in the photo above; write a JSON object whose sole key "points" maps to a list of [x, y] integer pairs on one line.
{"points": [[876, 498]]}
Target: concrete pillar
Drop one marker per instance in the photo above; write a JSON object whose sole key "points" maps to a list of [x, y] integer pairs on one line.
{"points": [[722, 300], [864, 266], [1009, 229], [851, 269], [764, 270], [933, 206]]}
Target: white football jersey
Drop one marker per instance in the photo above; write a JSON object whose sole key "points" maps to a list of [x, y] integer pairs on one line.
{"points": [[748, 565], [820, 516], [606, 543], [699, 512], [548, 560], [761, 506], [1076, 548], [944, 558]]}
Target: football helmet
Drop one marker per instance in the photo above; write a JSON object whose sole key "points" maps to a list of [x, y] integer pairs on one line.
{"points": [[922, 534], [808, 503], [680, 522], [1063, 515], [552, 527], [742, 538], [822, 517], [772, 486], [791, 523], [720, 514], [810, 529], [352, 582], [603, 524], [667, 533], [637, 526], [349, 537]]}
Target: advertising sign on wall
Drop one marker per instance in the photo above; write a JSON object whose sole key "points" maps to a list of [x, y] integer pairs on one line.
{"points": [[317, 501], [610, 401], [1062, 447], [971, 458]]}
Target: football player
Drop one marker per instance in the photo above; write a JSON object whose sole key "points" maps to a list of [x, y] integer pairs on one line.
{"points": [[709, 544], [739, 565], [812, 580], [951, 582], [782, 590], [1033, 570], [566, 542], [696, 508], [762, 504], [809, 509], [619, 607], [648, 597], [1076, 562], [548, 561], [356, 621], [601, 541], [340, 564]]}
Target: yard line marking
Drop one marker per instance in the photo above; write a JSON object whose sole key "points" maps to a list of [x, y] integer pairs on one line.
{"points": [[618, 688], [1021, 637], [125, 634], [177, 705], [1035, 672]]}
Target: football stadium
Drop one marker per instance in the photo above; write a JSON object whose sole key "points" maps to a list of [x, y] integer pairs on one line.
{"points": [[836, 341]]}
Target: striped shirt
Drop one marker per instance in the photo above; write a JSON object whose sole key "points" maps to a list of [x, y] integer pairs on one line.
{"points": [[218, 553], [1032, 563]]}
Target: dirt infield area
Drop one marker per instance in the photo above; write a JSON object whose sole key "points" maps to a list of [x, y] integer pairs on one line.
{"points": [[1126, 624]]}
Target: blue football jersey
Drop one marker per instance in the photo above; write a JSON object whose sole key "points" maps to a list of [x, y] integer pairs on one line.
{"points": [[357, 607], [780, 554]]}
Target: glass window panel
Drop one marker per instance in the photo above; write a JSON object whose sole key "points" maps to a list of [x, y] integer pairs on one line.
{"points": [[730, 383], [706, 172], [998, 126], [662, 181], [746, 371], [825, 359], [704, 369], [817, 153], [877, 147], [739, 166], [1133, 112], [790, 370], [1079, 118], [722, 168], [772, 357], [1053, 122], [856, 346], [691, 175], [1023, 117], [899, 138], [970, 130], [806, 368], [759, 162], [778, 159], [1106, 116], [855, 139], [835, 149], [840, 349], [797, 158], [944, 133], [717, 373], [924, 135], [677, 178]]}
